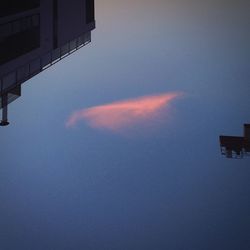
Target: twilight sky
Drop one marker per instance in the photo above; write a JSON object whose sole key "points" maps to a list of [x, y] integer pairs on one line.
{"points": [[161, 182]]}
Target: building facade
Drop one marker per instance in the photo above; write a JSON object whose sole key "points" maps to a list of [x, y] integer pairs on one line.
{"points": [[36, 34], [236, 146]]}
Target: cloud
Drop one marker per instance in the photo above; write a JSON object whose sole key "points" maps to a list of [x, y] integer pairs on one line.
{"points": [[123, 114]]}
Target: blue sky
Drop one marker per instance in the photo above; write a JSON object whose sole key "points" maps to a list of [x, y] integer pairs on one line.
{"points": [[164, 188]]}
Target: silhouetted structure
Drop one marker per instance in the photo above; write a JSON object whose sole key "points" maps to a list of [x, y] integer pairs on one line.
{"points": [[235, 146], [36, 34]]}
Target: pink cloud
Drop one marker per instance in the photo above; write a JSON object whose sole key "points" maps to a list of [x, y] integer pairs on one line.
{"points": [[123, 114]]}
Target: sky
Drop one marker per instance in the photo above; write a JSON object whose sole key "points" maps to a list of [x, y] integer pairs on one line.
{"points": [[117, 145]]}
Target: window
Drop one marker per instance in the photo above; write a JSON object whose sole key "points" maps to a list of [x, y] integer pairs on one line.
{"points": [[19, 44], [17, 26], [90, 11], [12, 7]]}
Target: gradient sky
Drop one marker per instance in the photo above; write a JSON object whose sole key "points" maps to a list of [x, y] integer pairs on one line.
{"points": [[164, 188]]}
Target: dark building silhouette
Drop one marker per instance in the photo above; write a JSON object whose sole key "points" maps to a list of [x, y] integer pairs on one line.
{"points": [[236, 146], [36, 34]]}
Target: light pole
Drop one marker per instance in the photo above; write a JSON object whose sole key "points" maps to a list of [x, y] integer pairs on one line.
{"points": [[4, 121]]}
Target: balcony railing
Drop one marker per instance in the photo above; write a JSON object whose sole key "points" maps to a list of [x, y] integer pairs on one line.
{"points": [[27, 71]]}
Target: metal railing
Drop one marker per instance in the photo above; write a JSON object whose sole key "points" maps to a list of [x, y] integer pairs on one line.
{"points": [[27, 71]]}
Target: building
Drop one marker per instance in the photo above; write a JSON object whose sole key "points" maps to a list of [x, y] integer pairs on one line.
{"points": [[236, 146], [36, 34]]}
